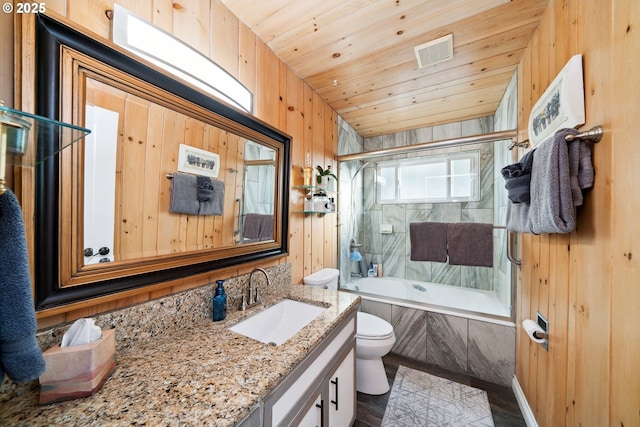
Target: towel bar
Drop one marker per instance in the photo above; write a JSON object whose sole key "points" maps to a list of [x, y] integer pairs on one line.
{"points": [[593, 135]]}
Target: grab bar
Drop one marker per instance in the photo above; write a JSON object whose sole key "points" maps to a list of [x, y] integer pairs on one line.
{"points": [[238, 230], [510, 245]]}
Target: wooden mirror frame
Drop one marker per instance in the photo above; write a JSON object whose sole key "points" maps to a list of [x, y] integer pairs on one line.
{"points": [[51, 36]]}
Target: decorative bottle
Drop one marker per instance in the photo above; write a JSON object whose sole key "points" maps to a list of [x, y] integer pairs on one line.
{"points": [[219, 302], [308, 171]]}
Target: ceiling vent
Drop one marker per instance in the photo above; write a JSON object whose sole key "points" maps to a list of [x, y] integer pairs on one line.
{"points": [[435, 51]]}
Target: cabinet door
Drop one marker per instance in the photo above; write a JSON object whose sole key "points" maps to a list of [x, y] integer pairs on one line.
{"points": [[342, 393], [313, 417]]}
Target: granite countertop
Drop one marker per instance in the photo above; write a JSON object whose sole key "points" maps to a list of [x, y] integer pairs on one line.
{"points": [[202, 375]]}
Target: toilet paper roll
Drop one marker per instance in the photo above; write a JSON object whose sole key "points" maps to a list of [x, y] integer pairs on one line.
{"points": [[534, 331]]}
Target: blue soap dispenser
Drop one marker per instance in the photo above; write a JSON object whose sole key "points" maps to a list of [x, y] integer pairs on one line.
{"points": [[219, 302]]}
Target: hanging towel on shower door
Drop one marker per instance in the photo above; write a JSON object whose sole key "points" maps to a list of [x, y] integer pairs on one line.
{"points": [[20, 357], [428, 241], [470, 243]]}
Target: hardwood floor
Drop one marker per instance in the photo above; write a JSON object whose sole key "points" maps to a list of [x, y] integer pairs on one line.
{"points": [[504, 408]]}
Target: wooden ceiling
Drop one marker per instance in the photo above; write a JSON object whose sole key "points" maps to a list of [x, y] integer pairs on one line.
{"points": [[359, 54]]}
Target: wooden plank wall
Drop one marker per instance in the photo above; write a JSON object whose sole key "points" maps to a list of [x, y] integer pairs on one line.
{"points": [[587, 283], [281, 99]]}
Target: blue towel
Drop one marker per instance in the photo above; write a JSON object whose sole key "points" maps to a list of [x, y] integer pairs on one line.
{"points": [[20, 357], [518, 178]]}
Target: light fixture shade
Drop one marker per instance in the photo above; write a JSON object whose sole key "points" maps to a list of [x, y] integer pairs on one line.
{"points": [[170, 54]]}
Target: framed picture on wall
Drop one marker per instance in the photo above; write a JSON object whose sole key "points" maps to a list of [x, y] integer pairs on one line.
{"points": [[198, 162], [561, 105]]}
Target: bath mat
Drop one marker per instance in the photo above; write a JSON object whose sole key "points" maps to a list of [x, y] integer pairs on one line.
{"points": [[421, 399]]}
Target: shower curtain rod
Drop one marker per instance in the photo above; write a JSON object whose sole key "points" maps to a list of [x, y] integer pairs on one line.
{"points": [[465, 140]]}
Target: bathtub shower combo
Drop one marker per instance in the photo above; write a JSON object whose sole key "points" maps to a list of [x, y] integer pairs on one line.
{"points": [[376, 189], [438, 298]]}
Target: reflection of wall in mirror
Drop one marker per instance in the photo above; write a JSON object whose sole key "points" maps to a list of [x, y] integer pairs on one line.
{"points": [[149, 137], [260, 174], [100, 183], [258, 197]]}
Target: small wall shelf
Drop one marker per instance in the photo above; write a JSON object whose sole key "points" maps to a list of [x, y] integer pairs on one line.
{"points": [[314, 188], [316, 212], [311, 190], [15, 126]]}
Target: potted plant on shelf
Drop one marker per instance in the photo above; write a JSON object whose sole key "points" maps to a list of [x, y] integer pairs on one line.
{"points": [[323, 177]]}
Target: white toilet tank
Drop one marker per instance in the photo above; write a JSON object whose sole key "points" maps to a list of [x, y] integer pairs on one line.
{"points": [[326, 278]]}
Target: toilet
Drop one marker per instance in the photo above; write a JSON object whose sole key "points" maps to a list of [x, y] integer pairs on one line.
{"points": [[374, 339]]}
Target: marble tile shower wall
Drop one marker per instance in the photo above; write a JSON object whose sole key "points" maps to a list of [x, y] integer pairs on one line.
{"points": [[480, 349], [349, 142], [505, 118], [393, 250]]}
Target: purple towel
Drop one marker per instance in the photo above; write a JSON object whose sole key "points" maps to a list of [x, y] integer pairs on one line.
{"points": [[470, 243], [258, 227], [428, 241], [252, 223]]}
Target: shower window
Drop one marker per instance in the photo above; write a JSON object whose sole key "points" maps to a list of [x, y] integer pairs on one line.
{"points": [[430, 179]]}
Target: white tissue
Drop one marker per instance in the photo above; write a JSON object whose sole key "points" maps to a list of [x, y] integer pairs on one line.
{"points": [[83, 331], [532, 328]]}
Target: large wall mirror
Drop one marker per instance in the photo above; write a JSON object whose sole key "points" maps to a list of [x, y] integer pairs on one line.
{"points": [[169, 184]]}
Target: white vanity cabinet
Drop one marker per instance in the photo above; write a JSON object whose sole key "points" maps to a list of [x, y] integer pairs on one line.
{"points": [[313, 416], [335, 404], [320, 391], [342, 396]]}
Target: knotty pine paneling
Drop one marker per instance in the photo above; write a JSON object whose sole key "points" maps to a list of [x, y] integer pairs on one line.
{"points": [[585, 282], [625, 289], [212, 29]]}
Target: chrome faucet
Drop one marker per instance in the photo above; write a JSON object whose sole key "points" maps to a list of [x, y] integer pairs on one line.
{"points": [[254, 294]]}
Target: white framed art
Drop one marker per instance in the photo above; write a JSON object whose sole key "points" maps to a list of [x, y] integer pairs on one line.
{"points": [[561, 105], [198, 162]]}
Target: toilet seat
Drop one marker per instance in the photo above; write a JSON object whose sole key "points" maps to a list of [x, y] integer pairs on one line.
{"points": [[373, 328]]}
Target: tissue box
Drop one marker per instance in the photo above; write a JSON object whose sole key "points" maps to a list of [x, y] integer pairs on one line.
{"points": [[79, 370]]}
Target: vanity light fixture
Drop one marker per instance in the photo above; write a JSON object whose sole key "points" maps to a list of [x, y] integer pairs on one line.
{"points": [[164, 50]]}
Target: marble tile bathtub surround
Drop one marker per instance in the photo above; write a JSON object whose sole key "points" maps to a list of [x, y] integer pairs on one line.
{"points": [[410, 327], [447, 341], [473, 347], [491, 352]]}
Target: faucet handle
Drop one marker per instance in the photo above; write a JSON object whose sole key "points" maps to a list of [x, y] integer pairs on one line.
{"points": [[257, 296], [243, 305]]}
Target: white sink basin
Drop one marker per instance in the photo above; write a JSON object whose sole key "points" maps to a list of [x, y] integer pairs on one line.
{"points": [[278, 323]]}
